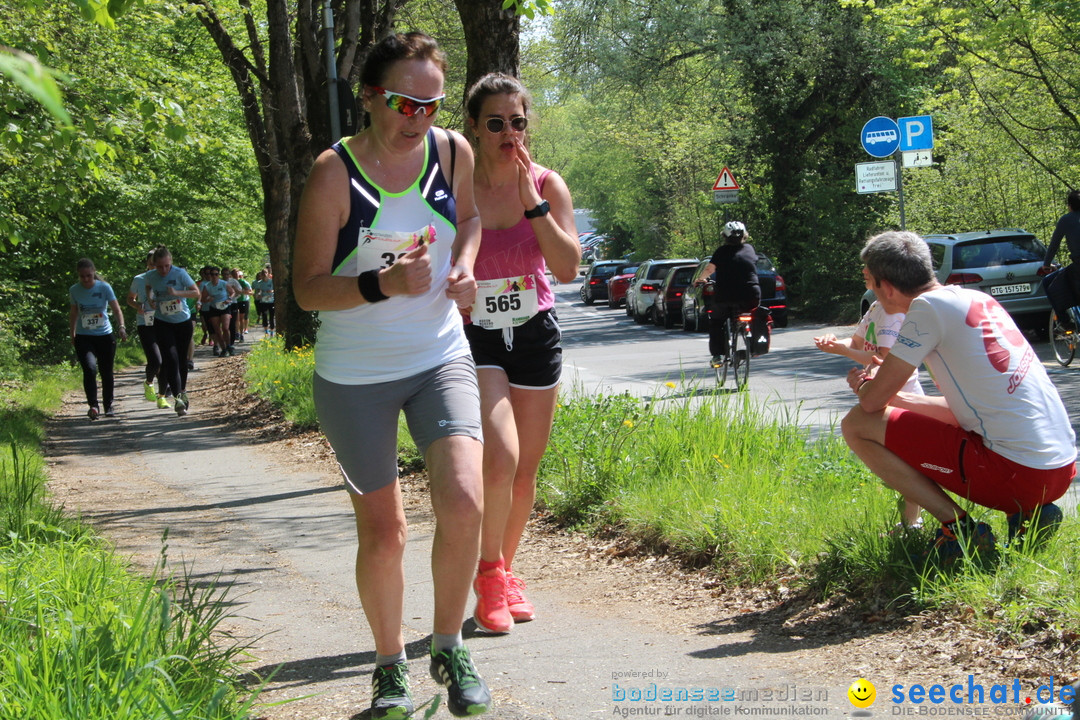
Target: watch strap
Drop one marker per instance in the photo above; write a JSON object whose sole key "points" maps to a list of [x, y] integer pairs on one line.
{"points": [[539, 211]]}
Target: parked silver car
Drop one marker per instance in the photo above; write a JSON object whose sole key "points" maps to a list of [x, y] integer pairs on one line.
{"points": [[641, 295], [1006, 264]]}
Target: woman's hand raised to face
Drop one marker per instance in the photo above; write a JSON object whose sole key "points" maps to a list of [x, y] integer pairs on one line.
{"points": [[530, 196]]}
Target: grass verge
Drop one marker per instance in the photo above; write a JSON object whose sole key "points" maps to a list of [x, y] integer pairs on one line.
{"points": [[721, 482], [80, 635]]}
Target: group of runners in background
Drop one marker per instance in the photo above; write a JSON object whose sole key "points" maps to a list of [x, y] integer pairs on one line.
{"points": [[168, 304]]}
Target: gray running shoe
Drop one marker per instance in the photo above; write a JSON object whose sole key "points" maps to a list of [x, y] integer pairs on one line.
{"points": [[390, 695], [466, 692]]}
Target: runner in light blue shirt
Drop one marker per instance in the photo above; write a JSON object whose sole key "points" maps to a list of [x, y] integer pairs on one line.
{"points": [[217, 296], [168, 287], [144, 320], [92, 334]]}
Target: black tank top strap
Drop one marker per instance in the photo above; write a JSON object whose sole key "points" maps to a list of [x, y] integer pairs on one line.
{"points": [[365, 198]]}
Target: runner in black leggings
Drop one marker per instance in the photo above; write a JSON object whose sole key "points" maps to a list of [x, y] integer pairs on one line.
{"points": [[92, 334], [169, 286], [144, 320]]}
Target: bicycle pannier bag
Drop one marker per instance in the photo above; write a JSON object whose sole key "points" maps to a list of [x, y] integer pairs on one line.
{"points": [[760, 331]]}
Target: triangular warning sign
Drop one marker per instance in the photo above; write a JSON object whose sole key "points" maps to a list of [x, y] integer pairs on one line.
{"points": [[726, 181]]}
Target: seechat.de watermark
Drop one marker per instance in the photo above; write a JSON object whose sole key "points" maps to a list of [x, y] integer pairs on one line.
{"points": [[967, 698]]}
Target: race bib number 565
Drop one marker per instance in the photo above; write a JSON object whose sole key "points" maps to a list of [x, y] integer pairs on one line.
{"points": [[503, 303]]}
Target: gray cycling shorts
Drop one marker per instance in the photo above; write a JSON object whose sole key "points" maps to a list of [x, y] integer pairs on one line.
{"points": [[361, 421]]}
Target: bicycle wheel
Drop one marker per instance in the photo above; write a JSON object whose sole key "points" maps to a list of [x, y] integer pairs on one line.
{"points": [[1063, 341], [722, 368], [740, 356]]}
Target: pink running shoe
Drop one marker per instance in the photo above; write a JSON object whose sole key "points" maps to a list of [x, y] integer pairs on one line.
{"points": [[520, 608], [491, 614]]}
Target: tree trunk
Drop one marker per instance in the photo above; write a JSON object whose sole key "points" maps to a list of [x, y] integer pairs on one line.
{"points": [[491, 38]]}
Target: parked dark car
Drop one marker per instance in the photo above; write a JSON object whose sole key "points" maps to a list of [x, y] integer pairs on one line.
{"points": [[1006, 264], [669, 299], [773, 296], [773, 291], [641, 294], [617, 286], [594, 286]]}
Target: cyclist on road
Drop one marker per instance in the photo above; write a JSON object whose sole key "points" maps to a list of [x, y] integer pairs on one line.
{"points": [[736, 285], [1068, 228]]}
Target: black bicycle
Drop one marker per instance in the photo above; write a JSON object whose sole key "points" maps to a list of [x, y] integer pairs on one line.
{"points": [[1063, 338], [1063, 330], [737, 360]]}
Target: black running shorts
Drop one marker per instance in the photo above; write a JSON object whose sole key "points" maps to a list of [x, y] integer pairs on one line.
{"points": [[529, 354]]}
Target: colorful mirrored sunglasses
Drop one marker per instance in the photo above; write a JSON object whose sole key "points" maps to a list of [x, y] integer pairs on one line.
{"points": [[496, 124], [409, 106]]}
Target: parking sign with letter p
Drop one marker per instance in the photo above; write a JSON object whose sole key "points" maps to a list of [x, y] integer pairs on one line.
{"points": [[916, 133]]}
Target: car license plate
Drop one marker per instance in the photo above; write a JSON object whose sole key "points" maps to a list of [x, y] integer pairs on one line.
{"points": [[1018, 289]]}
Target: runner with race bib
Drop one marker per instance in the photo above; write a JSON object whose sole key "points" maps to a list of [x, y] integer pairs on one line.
{"points": [[169, 287], [92, 334], [528, 226]]}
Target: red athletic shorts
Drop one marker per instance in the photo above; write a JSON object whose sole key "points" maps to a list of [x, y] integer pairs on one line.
{"points": [[957, 460]]}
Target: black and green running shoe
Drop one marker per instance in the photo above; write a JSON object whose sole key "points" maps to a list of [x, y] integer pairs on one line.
{"points": [[466, 692], [390, 695]]}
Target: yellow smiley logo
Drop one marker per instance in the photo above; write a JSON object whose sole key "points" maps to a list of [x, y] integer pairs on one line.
{"points": [[862, 693]]}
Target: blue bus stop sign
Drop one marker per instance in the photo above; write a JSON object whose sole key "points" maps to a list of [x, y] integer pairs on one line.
{"points": [[881, 136]]}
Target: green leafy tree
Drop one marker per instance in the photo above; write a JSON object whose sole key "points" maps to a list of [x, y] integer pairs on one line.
{"points": [[277, 57], [774, 89], [1005, 104], [145, 160]]}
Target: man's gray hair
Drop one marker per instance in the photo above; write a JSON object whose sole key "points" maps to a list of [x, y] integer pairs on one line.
{"points": [[902, 258]]}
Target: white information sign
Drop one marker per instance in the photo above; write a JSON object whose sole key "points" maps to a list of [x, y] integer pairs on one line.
{"points": [[725, 196], [917, 158], [875, 177]]}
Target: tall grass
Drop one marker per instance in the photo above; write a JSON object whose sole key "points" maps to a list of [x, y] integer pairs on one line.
{"points": [[283, 378], [722, 482], [80, 635], [709, 478]]}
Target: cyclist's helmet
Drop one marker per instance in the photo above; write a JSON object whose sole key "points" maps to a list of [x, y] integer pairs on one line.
{"points": [[734, 229]]}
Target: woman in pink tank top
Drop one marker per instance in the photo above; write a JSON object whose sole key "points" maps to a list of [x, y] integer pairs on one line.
{"points": [[528, 228]]}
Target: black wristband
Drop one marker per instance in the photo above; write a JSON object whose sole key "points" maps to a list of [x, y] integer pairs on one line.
{"points": [[368, 283]]}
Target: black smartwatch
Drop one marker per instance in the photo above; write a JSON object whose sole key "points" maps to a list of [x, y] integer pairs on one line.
{"points": [[539, 211]]}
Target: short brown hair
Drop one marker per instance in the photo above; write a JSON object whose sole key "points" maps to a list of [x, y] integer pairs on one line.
{"points": [[396, 47]]}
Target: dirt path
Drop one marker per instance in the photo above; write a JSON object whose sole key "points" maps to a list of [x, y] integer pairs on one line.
{"points": [[246, 501]]}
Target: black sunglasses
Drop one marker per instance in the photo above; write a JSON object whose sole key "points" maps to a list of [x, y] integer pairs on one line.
{"points": [[496, 124]]}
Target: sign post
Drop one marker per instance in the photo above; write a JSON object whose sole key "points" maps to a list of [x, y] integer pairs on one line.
{"points": [[881, 137], [725, 189]]}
